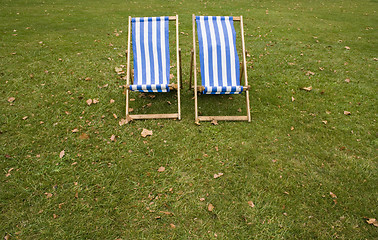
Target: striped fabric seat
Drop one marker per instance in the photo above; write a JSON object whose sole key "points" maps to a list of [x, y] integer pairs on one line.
{"points": [[219, 60], [151, 54]]}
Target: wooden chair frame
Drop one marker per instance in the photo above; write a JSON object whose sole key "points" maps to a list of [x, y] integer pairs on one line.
{"points": [[193, 62], [177, 86]]}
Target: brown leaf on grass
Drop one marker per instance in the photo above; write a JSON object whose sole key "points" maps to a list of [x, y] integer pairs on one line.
{"points": [[61, 154], [111, 101], [210, 207], [239, 110], [332, 195], [161, 169], [347, 80], [292, 128], [75, 130], [122, 122], [347, 48], [169, 102], [292, 99], [307, 88], [346, 113], [48, 195], [167, 213], [88, 79], [132, 99], [55, 216], [308, 73], [202, 199], [115, 116], [325, 122], [214, 122], [113, 138], [149, 104], [250, 203], [372, 221], [197, 123], [218, 175], [131, 109], [146, 133], [172, 225], [171, 76], [119, 70], [9, 172], [11, 99], [83, 136], [95, 101], [89, 102], [24, 118]]}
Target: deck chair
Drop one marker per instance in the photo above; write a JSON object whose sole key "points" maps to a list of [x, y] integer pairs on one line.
{"points": [[150, 42], [220, 70]]}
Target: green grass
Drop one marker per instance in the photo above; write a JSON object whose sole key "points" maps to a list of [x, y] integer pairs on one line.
{"points": [[286, 161]]}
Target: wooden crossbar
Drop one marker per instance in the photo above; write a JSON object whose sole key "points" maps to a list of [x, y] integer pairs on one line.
{"points": [[155, 116], [223, 118]]}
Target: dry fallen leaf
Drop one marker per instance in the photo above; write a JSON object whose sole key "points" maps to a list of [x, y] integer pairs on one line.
{"points": [[307, 88], [11, 99], [210, 207], [310, 73], [161, 169], [113, 138], [250, 203], [112, 101], [172, 225], [48, 195], [292, 99], [347, 80], [332, 195], [24, 118], [239, 110], [146, 133], [115, 116], [218, 175], [171, 76], [372, 221], [346, 113], [88, 79], [325, 121], [214, 122], [89, 102], [202, 199], [61, 154], [122, 122], [95, 101], [347, 48], [75, 130]]}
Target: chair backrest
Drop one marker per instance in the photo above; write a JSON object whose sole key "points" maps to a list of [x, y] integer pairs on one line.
{"points": [[150, 38], [220, 71]]}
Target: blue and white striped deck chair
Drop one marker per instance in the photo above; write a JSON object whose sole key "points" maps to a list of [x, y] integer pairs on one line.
{"points": [[219, 61], [150, 44]]}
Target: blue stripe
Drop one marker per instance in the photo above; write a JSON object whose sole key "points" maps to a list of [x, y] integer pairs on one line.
{"points": [[151, 52], [168, 65], [237, 72], [201, 53], [142, 53], [210, 55], [135, 52], [158, 44], [219, 52], [228, 53]]}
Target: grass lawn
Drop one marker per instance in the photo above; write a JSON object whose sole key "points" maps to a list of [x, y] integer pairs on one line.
{"points": [[302, 169]]}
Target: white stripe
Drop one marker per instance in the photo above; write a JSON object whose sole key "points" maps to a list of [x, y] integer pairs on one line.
{"points": [[214, 51], [154, 50], [146, 51], [205, 51], [232, 51], [138, 51], [223, 51], [163, 57]]}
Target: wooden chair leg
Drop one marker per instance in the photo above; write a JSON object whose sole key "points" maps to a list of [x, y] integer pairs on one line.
{"points": [[191, 70]]}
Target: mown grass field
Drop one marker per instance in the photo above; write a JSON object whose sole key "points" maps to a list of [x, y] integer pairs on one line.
{"points": [[309, 169]]}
